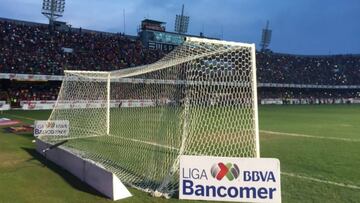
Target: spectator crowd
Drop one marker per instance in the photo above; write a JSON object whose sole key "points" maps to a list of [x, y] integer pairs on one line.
{"points": [[315, 70], [15, 91], [303, 93], [33, 49]]}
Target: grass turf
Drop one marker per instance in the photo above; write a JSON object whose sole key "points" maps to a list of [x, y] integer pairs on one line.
{"points": [[24, 178]]}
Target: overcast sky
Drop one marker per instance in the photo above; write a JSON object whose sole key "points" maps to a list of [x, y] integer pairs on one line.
{"points": [[299, 26]]}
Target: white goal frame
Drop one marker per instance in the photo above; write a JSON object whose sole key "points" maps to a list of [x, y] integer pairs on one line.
{"points": [[173, 59]]}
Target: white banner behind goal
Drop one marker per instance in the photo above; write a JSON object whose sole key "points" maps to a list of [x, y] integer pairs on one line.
{"points": [[200, 99]]}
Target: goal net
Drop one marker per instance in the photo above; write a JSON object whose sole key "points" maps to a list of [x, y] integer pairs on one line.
{"points": [[200, 99]]}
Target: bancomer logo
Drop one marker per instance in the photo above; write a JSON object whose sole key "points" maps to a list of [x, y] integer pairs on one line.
{"points": [[228, 182]]}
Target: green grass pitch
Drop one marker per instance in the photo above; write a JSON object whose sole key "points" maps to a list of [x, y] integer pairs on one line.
{"points": [[318, 146]]}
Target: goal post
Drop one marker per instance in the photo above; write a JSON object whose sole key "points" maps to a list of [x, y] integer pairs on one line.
{"points": [[200, 99], [255, 99], [108, 104]]}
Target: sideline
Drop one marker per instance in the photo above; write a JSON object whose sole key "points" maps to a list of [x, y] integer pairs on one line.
{"points": [[321, 181], [310, 136], [21, 117]]}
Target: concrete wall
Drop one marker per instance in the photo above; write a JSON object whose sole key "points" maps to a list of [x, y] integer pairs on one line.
{"points": [[96, 176]]}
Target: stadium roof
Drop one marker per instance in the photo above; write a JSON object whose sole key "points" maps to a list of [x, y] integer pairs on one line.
{"points": [[152, 21]]}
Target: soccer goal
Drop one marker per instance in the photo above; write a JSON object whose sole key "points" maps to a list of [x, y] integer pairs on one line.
{"points": [[200, 99]]}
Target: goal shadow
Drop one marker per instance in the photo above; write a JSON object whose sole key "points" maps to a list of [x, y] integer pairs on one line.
{"points": [[68, 177]]}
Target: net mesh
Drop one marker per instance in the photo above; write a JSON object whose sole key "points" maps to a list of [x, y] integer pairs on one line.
{"points": [[200, 99]]}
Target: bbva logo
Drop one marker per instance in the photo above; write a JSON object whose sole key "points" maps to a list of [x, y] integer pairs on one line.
{"points": [[220, 170]]}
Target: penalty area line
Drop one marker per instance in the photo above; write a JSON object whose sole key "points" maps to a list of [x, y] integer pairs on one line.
{"points": [[310, 136], [321, 181]]}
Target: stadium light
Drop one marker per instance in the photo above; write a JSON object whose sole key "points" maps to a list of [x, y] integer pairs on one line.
{"points": [[53, 9], [266, 37], [182, 22]]}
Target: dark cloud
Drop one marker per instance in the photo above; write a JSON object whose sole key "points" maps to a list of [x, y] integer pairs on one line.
{"points": [[299, 26]]}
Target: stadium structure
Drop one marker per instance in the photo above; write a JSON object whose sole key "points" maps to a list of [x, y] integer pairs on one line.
{"points": [[35, 73], [32, 81]]}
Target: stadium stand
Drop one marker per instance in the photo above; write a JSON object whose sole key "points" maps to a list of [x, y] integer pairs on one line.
{"points": [[316, 70], [30, 48], [308, 95]]}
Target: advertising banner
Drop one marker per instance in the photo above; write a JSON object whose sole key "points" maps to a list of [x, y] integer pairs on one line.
{"points": [[230, 179], [52, 128]]}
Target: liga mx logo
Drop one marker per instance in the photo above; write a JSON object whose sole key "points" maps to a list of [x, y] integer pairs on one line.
{"points": [[220, 170]]}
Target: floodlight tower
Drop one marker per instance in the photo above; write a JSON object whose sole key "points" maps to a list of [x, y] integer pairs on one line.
{"points": [[182, 22], [53, 9], [266, 37]]}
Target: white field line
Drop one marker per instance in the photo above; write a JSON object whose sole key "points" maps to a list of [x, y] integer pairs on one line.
{"points": [[309, 136], [146, 142], [155, 144], [321, 181], [74, 138], [21, 117]]}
